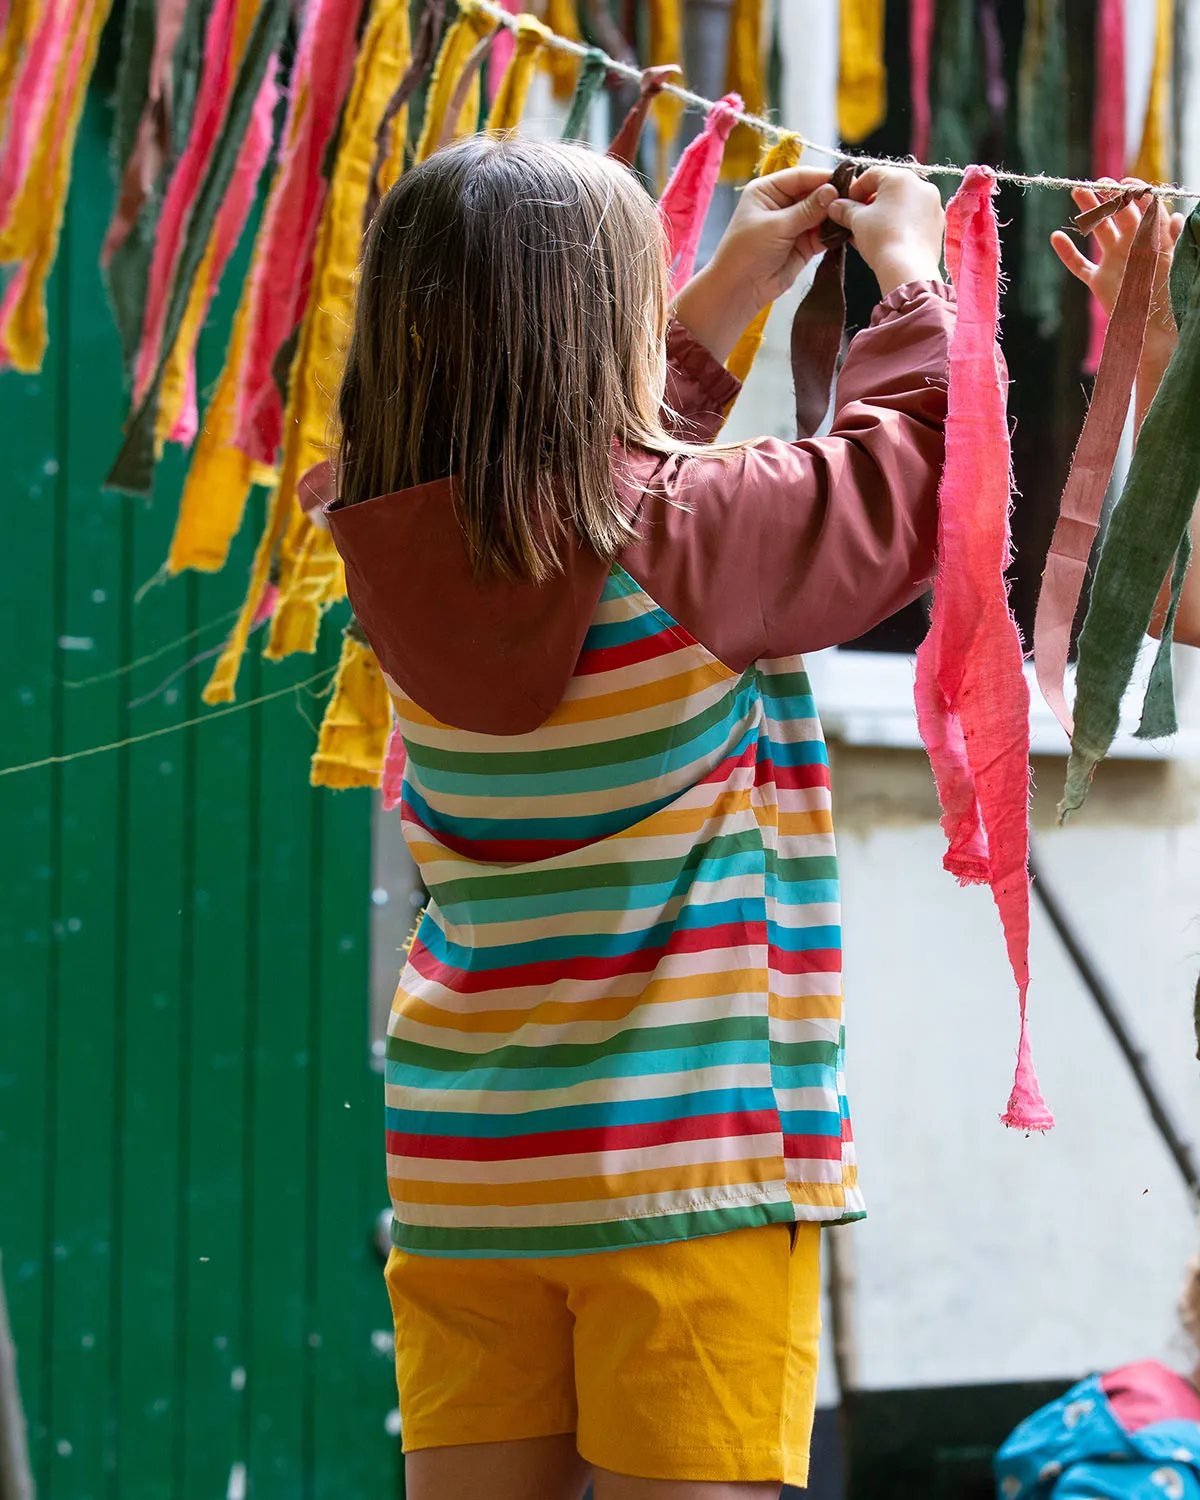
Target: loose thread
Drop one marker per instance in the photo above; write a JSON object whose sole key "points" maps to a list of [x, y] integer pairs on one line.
{"points": [[775, 132], [144, 661], [154, 734]]}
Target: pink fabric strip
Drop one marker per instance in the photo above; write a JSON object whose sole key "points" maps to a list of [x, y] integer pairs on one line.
{"points": [[31, 99], [687, 195], [230, 221], [211, 99], [1108, 133], [920, 39], [1091, 468], [393, 770], [501, 53], [971, 695], [320, 79]]}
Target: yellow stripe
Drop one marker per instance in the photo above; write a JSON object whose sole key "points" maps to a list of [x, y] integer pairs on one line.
{"points": [[806, 1007], [820, 1194], [605, 1008], [589, 1189]]}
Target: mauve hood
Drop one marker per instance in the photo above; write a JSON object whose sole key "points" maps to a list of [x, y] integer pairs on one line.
{"points": [[492, 656]]}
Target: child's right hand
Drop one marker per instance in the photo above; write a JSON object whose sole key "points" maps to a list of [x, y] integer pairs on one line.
{"points": [[897, 223], [1114, 237]]}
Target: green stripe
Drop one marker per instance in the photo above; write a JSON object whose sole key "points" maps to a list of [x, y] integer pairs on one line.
{"points": [[579, 1239], [492, 885], [604, 752], [579, 1054], [796, 1054], [785, 685], [815, 867]]}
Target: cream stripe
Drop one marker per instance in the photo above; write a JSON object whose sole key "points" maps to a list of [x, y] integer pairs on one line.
{"points": [[601, 1210]]}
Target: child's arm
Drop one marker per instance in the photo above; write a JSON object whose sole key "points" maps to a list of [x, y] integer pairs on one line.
{"points": [[1114, 236], [773, 548]]}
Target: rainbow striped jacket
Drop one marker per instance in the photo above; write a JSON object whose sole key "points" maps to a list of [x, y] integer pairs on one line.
{"points": [[620, 1021]]}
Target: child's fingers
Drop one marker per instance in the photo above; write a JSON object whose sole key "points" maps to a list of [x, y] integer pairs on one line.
{"points": [[1175, 227], [791, 184], [808, 213], [864, 188], [1084, 199], [1073, 257]]}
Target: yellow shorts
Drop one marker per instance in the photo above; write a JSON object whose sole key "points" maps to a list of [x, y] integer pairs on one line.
{"points": [[694, 1360]]}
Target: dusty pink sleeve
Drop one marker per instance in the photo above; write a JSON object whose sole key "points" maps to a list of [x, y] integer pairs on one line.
{"points": [[699, 388], [776, 548]]}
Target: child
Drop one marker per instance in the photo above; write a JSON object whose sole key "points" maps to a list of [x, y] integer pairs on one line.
{"points": [[614, 1091], [1132, 1434]]}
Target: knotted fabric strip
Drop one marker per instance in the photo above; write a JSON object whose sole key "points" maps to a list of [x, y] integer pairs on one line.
{"points": [[468, 30], [971, 696], [820, 321], [389, 138], [1143, 541], [666, 50], [1091, 468], [686, 197], [624, 145], [509, 103], [592, 78]]}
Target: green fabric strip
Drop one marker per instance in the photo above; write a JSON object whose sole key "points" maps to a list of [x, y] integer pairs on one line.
{"points": [[128, 271], [133, 470], [1158, 708], [1146, 533], [1042, 140], [958, 95], [592, 76]]}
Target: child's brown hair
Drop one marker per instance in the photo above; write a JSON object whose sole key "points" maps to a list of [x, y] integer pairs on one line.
{"points": [[509, 332]]}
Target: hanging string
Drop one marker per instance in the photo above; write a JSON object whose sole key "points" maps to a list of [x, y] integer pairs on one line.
{"points": [[323, 677], [774, 132], [132, 666]]}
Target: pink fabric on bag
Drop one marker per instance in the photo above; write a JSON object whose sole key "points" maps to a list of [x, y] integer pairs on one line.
{"points": [[231, 220], [211, 99], [686, 197], [31, 99], [393, 770], [1108, 134], [920, 38], [501, 51], [971, 695], [321, 77]]}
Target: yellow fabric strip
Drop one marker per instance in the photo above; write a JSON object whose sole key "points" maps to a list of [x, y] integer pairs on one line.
{"points": [[744, 76], [666, 46], [221, 685], [356, 725], [459, 42], [785, 153], [862, 79], [563, 19], [38, 212], [1152, 163], [219, 476], [509, 103], [310, 572]]}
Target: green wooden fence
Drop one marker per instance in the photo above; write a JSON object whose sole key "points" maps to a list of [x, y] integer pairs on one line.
{"points": [[191, 1149]]}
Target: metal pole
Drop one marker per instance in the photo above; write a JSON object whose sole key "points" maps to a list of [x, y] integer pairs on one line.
{"points": [[1107, 1005]]}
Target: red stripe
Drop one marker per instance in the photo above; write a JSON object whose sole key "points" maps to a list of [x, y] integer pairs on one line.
{"points": [[724, 937], [577, 1142], [628, 654], [791, 777], [812, 1147], [810, 961]]}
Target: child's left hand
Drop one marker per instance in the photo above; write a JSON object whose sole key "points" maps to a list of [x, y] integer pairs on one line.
{"points": [[774, 232]]}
